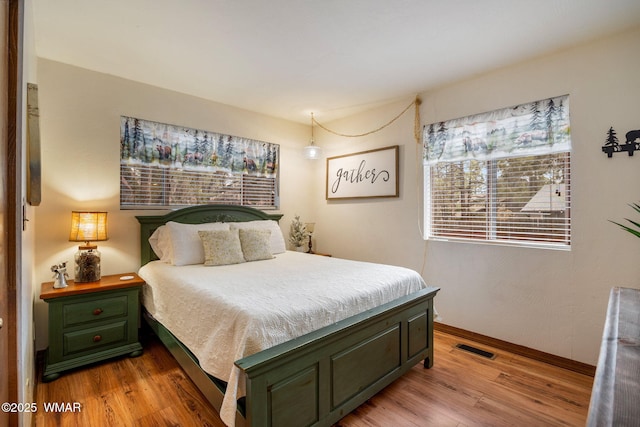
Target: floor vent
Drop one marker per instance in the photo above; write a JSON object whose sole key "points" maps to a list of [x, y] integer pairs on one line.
{"points": [[477, 351]]}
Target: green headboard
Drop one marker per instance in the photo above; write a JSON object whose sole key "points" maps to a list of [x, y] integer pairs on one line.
{"points": [[195, 215]]}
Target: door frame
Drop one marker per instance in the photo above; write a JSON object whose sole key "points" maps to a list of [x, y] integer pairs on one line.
{"points": [[11, 203]]}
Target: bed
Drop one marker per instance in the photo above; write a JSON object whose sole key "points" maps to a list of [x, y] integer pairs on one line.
{"points": [[310, 375]]}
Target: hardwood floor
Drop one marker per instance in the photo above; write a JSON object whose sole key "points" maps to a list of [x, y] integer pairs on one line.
{"points": [[462, 389]]}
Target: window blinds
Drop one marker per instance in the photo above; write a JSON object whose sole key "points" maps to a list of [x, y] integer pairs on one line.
{"points": [[152, 187]]}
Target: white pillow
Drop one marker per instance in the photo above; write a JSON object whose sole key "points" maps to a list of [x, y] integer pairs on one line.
{"points": [[186, 246], [153, 240], [160, 242], [221, 247], [276, 239]]}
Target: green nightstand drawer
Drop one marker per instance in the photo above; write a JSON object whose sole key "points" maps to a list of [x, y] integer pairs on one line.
{"points": [[95, 338], [96, 310]]}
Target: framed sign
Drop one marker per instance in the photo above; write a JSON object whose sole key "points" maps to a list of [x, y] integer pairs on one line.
{"points": [[372, 173]]}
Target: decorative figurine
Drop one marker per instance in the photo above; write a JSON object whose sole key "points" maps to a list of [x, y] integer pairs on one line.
{"points": [[60, 275], [632, 135], [613, 146]]}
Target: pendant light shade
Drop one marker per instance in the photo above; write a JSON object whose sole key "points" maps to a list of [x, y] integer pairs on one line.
{"points": [[312, 151]]}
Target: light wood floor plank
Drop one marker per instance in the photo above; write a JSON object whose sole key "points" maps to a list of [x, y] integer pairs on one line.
{"points": [[461, 390]]}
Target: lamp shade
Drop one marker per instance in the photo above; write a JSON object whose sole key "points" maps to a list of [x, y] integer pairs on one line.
{"points": [[88, 226], [312, 152]]}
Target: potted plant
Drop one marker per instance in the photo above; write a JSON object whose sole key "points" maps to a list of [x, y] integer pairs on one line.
{"points": [[298, 234], [634, 231]]}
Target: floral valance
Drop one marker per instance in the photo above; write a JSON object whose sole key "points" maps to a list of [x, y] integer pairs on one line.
{"points": [[164, 166], [171, 146], [540, 127]]}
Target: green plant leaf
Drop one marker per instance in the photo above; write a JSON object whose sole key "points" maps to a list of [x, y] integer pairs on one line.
{"points": [[634, 231]]}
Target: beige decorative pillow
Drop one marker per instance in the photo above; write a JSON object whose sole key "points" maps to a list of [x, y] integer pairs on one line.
{"points": [[278, 245], [256, 244], [221, 247]]}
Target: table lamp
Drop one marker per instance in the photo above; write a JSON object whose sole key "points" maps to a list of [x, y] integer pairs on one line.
{"points": [[310, 226], [87, 227]]}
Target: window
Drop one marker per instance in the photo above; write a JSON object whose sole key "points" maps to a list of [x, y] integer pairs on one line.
{"points": [[164, 166], [502, 176]]}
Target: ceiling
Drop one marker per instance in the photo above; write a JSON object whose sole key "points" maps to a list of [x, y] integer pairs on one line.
{"points": [[288, 58]]}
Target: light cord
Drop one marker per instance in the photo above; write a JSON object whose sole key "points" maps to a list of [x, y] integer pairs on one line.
{"points": [[416, 102]]}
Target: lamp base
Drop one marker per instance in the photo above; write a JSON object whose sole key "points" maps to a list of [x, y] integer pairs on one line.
{"points": [[310, 250], [87, 268]]}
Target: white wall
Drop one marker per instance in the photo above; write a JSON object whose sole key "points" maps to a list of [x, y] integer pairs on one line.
{"points": [[80, 126], [550, 300]]}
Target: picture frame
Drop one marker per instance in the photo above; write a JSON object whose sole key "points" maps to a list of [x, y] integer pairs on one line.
{"points": [[366, 174]]}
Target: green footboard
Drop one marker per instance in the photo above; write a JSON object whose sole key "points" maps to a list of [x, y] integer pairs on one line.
{"points": [[320, 377]]}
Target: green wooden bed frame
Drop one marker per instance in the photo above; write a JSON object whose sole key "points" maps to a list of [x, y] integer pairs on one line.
{"points": [[318, 378]]}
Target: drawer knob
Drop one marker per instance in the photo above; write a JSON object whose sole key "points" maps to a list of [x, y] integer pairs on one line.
{"points": [[97, 311], [97, 338]]}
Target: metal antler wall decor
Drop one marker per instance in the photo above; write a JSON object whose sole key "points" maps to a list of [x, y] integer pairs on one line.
{"points": [[613, 146]]}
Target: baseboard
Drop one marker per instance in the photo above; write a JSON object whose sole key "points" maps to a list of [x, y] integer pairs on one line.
{"points": [[561, 362]]}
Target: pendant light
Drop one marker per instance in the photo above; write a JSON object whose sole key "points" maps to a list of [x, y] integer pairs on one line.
{"points": [[312, 151]]}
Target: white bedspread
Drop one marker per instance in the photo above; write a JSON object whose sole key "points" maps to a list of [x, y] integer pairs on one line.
{"points": [[225, 313]]}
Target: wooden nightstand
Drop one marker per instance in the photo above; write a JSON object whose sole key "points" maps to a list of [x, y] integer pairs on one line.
{"points": [[90, 322]]}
